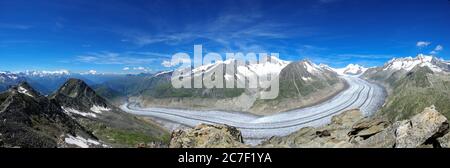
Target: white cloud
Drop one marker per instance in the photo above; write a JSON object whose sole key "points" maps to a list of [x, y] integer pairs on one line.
{"points": [[168, 64], [126, 68], [439, 48], [423, 43], [128, 58], [142, 69], [90, 72]]}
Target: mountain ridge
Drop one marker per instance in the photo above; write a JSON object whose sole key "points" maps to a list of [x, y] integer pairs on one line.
{"points": [[32, 120], [75, 116], [413, 84]]}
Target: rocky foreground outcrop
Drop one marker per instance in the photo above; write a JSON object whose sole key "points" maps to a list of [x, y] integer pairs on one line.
{"points": [[333, 135], [347, 130], [207, 136]]}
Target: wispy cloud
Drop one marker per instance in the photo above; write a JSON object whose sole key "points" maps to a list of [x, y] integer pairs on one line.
{"points": [[138, 68], [128, 58], [143, 38], [423, 43], [14, 26], [170, 63], [327, 1], [228, 31], [437, 49], [144, 69]]}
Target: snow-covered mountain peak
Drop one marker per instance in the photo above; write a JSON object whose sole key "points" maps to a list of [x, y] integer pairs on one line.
{"points": [[408, 63], [274, 64], [351, 69], [311, 67]]}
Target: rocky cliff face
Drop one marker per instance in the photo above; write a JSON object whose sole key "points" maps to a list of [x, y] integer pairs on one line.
{"points": [[76, 94], [109, 123]]}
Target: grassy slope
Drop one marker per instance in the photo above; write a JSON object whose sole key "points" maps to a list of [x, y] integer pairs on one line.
{"points": [[415, 91], [141, 132]]}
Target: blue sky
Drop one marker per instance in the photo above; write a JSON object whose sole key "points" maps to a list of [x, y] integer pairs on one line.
{"points": [[136, 36]]}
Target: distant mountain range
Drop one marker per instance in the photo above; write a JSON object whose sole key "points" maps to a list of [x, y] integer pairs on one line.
{"points": [[46, 82], [301, 83]]}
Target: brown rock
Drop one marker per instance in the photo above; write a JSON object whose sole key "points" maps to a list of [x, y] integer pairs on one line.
{"points": [[324, 133], [383, 139], [366, 128], [444, 141], [207, 136], [347, 118], [423, 128]]}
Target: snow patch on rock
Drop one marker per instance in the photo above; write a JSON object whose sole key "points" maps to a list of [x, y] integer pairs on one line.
{"points": [[24, 91], [99, 109], [80, 141], [73, 111], [306, 78], [162, 73]]}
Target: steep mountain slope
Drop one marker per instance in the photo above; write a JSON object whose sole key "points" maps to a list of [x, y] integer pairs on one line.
{"points": [[110, 94], [106, 121], [398, 67], [302, 84], [419, 88], [303, 78], [413, 84], [30, 120]]}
